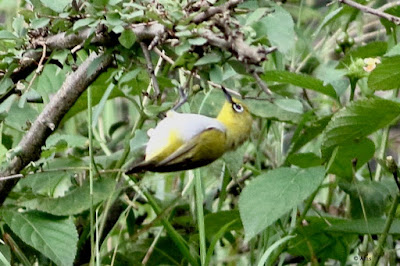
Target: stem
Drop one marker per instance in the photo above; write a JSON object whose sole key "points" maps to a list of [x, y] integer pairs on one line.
{"points": [[379, 248], [173, 234], [91, 166], [306, 208], [200, 215], [384, 141], [225, 181], [353, 83]]}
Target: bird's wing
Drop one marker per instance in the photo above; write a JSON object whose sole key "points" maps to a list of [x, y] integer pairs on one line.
{"points": [[203, 149], [175, 131]]}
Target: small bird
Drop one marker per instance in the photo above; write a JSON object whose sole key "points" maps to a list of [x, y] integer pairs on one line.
{"points": [[185, 141]]}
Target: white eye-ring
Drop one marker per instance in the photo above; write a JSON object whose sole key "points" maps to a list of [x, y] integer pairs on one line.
{"points": [[237, 107]]}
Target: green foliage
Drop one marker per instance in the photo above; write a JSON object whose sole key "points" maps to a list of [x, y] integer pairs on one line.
{"points": [[311, 180], [386, 76], [75, 201], [275, 193], [55, 237], [358, 120], [350, 157], [301, 81]]}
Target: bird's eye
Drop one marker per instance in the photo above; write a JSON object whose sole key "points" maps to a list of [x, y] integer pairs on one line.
{"points": [[237, 107]]}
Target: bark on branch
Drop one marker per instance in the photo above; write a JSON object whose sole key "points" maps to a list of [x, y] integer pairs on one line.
{"points": [[30, 147], [376, 12], [237, 46], [215, 10], [29, 61]]}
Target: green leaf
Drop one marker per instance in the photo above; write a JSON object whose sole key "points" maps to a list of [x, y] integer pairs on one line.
{"points": [[325, 245], [50, 80], [21, 118], [98, 110], [45, 183], [304, 160], [358, 120], [208, 59], [73, 141], [127, 77], [299, 80], [215, 239], [74, 202], [305, 134], [216, 74], [328, 18], [214, 221], [386, 76], [127, 38], [54, 237], [256, 15], [272, 111], [57, 6], [374, 196], [197, 41], [279, 27], [139, 141], [273, 247], [19, 26], [330, 74], [39, 23], [82, 23], [361, 150], [394, 51], [372, 226], [271, 195], [98, 89], [372, 49], [290, 105], [6, 35], [234, 159], [5, 85], [5, 255], [154, 110], [114, 19]]}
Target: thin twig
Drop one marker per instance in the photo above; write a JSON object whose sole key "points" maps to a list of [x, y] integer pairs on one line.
{"points": [[39, 68], [150, 69], [369, 36], [389, 5], [187, 72], [376, 12], [262, 84], [238, 47], [17, 176], [152, 246], [215, 10]]}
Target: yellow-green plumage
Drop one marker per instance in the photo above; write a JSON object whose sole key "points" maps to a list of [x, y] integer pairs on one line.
{"points": [[186, 141]]}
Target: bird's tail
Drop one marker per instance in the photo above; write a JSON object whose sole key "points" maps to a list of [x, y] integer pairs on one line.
{"points": [[141, 167]]}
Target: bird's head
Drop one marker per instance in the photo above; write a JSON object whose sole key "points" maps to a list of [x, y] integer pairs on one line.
{"points": [[237, 119]]}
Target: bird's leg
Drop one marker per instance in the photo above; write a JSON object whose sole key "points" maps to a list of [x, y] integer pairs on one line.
{"points": [[182, 98]]}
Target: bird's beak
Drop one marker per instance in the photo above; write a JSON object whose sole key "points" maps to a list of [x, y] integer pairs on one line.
{"points": [[227, 95]]}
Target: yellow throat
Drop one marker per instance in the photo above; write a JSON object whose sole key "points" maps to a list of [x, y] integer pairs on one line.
{"points": [[237, 120]]}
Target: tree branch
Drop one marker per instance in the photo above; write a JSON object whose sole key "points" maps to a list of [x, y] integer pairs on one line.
{"points": [[150, 69], [30, 147], [366, 9], [215, 10], [237, 46], [29, 61]]}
